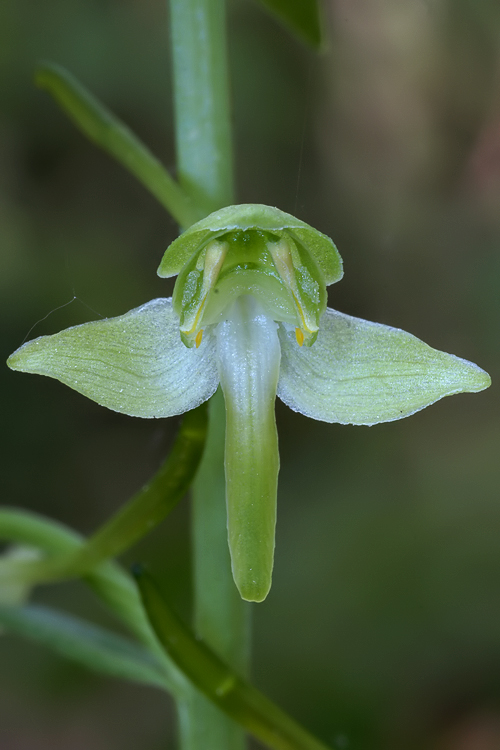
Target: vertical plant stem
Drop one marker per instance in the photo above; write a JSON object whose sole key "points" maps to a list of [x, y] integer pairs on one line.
{"points": [[221, 616], [201, 102], [218, 600], [205, 171]]}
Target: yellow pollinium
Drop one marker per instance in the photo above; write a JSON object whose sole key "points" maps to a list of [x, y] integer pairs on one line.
{"points": [[299, 336], [214, 256], [283, 260]]}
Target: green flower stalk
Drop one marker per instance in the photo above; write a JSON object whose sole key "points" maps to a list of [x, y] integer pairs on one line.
{"points": [[249, 312]]}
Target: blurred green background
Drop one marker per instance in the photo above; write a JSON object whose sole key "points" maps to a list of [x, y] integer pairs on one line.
{"points": [[382, 629]]}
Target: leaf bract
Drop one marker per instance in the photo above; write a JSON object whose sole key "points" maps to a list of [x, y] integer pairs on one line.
{"points": [[258, 217]]}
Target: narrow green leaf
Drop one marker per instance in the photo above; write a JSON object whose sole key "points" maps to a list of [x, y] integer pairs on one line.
{"points": [[135, 364], [109, 581], [145, 510], [360, 372], [89, 645], [237, 698], [112, 135], [139, 516], [302, 17], [15, 592]]}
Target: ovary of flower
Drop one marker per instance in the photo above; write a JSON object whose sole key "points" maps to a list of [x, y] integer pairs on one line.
{"points": [[251, 290]]}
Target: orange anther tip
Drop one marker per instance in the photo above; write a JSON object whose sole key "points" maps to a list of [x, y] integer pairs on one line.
{"points": [[299, 336], [198, 339]]}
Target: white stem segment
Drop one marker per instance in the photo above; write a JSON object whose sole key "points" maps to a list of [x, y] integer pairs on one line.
{"points": [[249, 359]]}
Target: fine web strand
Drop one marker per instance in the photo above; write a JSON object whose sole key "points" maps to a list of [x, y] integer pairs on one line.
{"points": [[303, 135], [60, 307]]}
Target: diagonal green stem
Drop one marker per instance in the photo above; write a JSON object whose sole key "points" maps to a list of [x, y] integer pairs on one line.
{"points": [[89, 645], [112, 135], [222, 685], [115, 587], [135, 519]]}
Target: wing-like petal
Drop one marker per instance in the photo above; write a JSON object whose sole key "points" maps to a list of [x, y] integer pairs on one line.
{"points": [[135, 364], [359, 372]]}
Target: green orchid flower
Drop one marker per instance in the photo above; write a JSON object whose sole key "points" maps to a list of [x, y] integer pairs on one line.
{"points": [[249, 312]]}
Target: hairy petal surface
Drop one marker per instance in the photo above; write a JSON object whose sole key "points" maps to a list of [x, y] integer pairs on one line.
{"points": [[135, 364], [360, 372], [249, 358]]}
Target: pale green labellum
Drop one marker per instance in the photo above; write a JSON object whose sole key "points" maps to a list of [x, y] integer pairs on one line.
{"points": [[248, 354], [250, 292]]}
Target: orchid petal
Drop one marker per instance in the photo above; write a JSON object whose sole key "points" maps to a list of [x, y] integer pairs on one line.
{"points": [[359, 372], [249, 357], [135, 364]]}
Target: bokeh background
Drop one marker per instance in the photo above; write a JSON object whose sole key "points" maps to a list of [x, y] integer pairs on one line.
{"points": [[382, 629]]}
